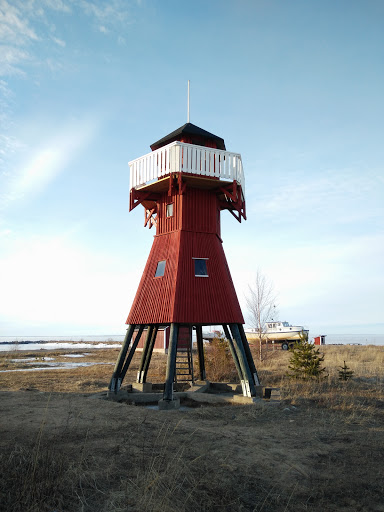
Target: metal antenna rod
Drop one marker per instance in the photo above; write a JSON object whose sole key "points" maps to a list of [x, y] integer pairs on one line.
{"points": [[188, 101]]}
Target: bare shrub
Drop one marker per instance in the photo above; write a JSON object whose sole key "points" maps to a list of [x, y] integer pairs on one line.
{"points": [[219, 363], [261, 300]]}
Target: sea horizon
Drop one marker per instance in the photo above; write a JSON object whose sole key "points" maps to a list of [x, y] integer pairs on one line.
{"points": [[331, 339]]}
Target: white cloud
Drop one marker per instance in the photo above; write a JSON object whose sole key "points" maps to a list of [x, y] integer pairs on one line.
{"points": [[43, 164], [8, 145], [28, 35], [56, 5], [331, 195], [59, 42], [112, 12], [16, 34], [39, 171], [10, 60], [14, 27], [27, 22]]}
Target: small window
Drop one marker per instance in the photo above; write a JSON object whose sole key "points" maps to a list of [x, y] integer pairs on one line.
{"points": [[201, 267], [170, 210], [160, 269]]}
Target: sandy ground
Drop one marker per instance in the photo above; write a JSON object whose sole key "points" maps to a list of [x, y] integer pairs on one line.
{"points": [[113, 456]]}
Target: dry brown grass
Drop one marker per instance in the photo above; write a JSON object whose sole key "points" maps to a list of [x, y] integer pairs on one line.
{"points": [[360, 398], [321, 450], [89, 379]]}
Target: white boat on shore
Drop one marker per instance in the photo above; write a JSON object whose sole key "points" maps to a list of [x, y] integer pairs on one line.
{"points": [[280, 332]]}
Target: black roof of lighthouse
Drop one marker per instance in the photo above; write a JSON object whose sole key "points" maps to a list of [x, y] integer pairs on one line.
{"points": [[198, 136]]}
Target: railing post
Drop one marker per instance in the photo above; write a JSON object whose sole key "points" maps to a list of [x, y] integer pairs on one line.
{"points": [[178, 157]]}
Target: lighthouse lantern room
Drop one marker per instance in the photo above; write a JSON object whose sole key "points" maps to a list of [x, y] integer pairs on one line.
{"points": [[184, 184]]}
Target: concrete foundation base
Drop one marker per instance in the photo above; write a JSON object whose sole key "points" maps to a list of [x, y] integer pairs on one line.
{"points": [[202, 391], [272, 393], [145, 387], [240, 399], [169, 405], [259, 391]]}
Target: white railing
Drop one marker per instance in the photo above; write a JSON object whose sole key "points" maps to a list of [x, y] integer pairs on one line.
{"points": [[188, 158]]}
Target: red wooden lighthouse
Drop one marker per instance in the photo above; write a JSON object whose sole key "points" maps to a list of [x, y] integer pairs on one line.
{"points": [[183, 185]]}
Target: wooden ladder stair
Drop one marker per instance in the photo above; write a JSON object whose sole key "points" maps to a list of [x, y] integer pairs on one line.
{"points": [[184, 365]]}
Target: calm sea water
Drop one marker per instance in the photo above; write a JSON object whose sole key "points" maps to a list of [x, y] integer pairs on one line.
{"points": [[49, 342], [45, 339], [55, 342], [363, 339]]}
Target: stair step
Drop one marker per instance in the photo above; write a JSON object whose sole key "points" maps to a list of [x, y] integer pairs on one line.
{"points": [[184, 364]]}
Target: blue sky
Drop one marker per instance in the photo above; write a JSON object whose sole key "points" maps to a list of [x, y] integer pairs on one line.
{"points": [[295, 87]]}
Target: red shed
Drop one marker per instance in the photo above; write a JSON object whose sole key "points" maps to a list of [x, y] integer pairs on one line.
{"points": [[319, 340], [184, 184]]}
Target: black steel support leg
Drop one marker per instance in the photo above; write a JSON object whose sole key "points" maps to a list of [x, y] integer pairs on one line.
{"points": [[145, 351], [190, 351], [149, 355], [131, 354], [171, 362], [200, 351], [249, 386], [248, 354], [120, 360], [233, 352]]}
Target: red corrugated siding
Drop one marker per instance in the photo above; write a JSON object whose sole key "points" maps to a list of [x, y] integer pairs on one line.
{"points": [[205, 300], [196, 210], [154, 298], [179, 296], [183, 340], [199, 210], [167, 224]]}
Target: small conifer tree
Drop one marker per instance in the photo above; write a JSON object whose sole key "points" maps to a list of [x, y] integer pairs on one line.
{"points": [[303, 335], [305, 361], [345, 373]]}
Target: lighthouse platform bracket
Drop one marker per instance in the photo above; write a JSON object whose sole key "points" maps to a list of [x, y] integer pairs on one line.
{"points": [[147, 198], [230, 195], [150, 217], [233, 200]]}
